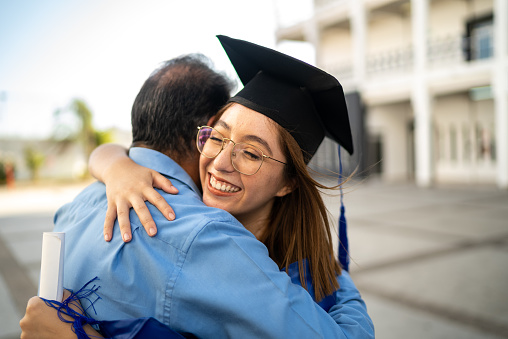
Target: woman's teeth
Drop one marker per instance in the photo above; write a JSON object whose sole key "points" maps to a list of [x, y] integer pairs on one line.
{"points": [[222, 186]]}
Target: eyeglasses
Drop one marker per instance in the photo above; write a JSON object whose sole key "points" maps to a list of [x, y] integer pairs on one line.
{"points": [[245, 158]]}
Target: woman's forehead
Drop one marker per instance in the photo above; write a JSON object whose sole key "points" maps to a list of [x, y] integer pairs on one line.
{"points": [[249, 126], [238, 117]]}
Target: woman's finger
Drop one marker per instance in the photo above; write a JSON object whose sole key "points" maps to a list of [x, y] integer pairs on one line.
{"points": [[158, 201], [109, 222], [124, 222], [145, 217], [163, 183]]}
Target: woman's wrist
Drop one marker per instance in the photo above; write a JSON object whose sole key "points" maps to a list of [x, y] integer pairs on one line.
{"points": [[103, 158]]}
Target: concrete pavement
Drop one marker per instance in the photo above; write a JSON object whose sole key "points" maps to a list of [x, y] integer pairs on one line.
{"points": [[430, 263]]}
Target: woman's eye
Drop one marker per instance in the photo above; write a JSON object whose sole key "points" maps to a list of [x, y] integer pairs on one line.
{"points": [[251, 155], [216, 139]]}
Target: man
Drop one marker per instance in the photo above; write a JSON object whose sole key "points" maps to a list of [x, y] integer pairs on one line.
{"points": [[204, 273]]}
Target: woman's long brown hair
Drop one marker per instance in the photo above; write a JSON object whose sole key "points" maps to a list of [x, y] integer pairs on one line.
{"points": [[298, 227]]}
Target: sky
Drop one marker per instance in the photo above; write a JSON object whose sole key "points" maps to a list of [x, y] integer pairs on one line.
{"points": [[101, 51]]}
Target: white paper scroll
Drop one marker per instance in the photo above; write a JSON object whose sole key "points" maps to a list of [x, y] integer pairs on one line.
{"points": [[52, 266]]}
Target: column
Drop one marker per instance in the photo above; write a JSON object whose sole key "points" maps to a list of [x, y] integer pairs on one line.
{"points": [[500, 85], [420, 97], [359, 41], [311, 34]]}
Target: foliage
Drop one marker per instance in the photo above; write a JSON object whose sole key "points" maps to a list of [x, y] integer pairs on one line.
{"points": [[34, 161], [103, 137], [75, 124], [3, 176]]}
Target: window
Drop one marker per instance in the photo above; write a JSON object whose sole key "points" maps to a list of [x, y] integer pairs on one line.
{"points": [[486, 143], [453, 143], [493, 143], [466, 143], [479, 40]]}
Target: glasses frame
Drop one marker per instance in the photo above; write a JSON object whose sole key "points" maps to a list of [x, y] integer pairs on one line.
{"points": [[231, 154]]}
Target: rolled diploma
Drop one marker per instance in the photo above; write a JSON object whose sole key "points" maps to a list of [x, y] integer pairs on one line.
{"points": [[52, 266]]}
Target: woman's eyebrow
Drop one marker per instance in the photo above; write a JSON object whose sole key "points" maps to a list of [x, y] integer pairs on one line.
{"points": [[255, 138], [223, 125], [249, 137]]}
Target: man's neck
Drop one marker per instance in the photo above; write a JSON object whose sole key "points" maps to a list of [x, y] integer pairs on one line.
{"points": [[189, 162], [192, 169]]}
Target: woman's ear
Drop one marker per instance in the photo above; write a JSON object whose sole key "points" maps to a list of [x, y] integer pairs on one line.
{"points": [[286, 189]]}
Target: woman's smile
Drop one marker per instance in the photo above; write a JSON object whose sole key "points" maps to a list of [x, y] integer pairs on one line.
{"points": [[222, 185]]}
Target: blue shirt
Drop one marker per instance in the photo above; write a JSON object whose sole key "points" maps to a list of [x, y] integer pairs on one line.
{"points": [[203, 273]]}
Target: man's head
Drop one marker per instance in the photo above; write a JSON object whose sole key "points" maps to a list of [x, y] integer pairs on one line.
{"points": [[181, 95]]}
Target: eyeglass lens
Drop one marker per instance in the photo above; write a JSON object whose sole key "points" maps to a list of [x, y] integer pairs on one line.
{"points": [[245, 158]]}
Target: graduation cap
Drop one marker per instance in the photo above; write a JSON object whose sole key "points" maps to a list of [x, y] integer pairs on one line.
{"points": [[308, 102]]}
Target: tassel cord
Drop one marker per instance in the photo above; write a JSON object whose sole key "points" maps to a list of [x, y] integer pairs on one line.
{"points": [[343, 241], [78, 320]]}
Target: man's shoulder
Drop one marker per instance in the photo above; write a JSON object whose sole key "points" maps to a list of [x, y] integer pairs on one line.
{"points": [[193, 218], [94, 195], [196, 226]]}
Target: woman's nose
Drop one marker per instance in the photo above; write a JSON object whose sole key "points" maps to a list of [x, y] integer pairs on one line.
{"points": [[222, 162]]}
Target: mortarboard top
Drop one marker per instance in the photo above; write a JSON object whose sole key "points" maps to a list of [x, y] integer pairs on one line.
{"points": [[306, 101]]}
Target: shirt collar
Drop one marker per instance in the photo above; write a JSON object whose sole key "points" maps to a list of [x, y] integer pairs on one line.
{"points": [[162, 164]]}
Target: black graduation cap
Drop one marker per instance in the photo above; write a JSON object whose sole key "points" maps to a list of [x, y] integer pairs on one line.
{"points": [[306, 101]]}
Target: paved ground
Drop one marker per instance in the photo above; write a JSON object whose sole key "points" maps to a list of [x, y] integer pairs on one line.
{"points": [[430, 263]]}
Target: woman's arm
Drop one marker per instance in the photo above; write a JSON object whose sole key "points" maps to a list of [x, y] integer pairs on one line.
{"points": [[128, 185], [350, 311], [41, 321]]}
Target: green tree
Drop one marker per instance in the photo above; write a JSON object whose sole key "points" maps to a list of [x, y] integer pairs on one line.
{"points": [[3, 176], [75, 124], [34, 161]]}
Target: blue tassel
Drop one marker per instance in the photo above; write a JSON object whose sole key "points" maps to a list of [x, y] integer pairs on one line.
{"points": [[343, 242], [78, 319]]}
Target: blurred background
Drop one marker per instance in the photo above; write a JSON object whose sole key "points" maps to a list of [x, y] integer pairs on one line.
{"points": [[426, 84]]}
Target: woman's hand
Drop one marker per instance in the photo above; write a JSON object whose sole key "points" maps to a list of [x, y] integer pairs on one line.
{"points": [[41, 321], [129, 185]]}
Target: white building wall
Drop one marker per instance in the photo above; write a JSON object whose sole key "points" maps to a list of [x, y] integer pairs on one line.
{"points": [[446, 18], [388, 31], [480, 6], [335, 48], [391, 124]]}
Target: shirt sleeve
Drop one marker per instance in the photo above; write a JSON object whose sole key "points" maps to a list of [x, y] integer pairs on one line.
{"points": [[350, 311], [229, 287]]}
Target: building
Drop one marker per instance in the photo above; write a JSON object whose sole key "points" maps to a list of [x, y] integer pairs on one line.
{"points": [[426, 83]]}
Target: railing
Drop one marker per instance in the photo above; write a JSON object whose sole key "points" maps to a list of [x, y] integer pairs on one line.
{"points": [[441, 52], [446, 50], [400, 60]]}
